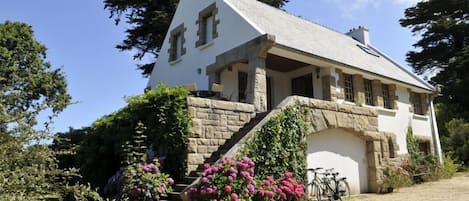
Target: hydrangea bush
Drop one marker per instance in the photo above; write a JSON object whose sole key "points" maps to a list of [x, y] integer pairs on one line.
{"points": [[144, 181], [230, 181], [234, 181]]}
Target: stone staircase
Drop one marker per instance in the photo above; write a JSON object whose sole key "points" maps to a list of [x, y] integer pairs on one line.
{"points": [[179, 188]]}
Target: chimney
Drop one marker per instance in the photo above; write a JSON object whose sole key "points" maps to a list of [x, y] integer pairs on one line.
{"points": [[360, 34]]}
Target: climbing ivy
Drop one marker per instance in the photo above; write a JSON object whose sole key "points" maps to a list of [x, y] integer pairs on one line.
{"points": [[280, 146]]}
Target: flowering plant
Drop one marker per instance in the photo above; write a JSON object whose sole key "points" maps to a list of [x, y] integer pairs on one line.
{"points": [[229, 181], [144, 181], [234, 181], [286, 188]]}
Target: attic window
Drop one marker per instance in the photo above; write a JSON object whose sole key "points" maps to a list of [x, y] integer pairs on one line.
{"points": [[368, 50], [207, 25]]}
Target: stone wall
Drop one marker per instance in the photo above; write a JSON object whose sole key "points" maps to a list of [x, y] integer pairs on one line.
{"points": [[213, 122]]}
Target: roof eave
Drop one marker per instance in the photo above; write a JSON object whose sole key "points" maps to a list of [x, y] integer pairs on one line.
{"points": [[430, 88]]}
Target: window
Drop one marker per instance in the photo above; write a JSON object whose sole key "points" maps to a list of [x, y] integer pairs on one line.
{"points": [[207, 25], [368, 92], [348, 87], [391, 148], [303, 86], [176, 41], [208, 32], [424, 147], [386, 99], [416, 103]]}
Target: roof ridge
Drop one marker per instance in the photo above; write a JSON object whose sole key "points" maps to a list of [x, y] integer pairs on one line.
{"points": [[298, 17]]}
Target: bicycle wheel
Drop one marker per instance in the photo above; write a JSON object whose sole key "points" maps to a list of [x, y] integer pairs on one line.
{"points": [[344, 190], [317, 191]]}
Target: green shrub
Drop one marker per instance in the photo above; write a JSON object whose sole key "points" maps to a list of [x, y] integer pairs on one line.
{"points": [[396, 177], [163, 111], [450, 166], [280, 146]]}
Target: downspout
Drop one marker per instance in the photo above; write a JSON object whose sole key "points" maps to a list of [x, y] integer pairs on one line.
{"points": [[436, 135]]}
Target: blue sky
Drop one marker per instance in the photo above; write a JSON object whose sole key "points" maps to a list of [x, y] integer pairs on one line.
{"points": [[81, 39]]}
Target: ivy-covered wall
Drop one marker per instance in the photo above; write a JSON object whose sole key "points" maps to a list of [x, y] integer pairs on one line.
{"points": [[164, 114], [280, 145]]}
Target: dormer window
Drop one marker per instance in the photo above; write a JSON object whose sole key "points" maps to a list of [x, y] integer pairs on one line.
{"points": [[176, 41], [207, 25]]}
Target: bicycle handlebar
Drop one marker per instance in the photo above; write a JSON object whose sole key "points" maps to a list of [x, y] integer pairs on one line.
{"points": [[315, 169]]}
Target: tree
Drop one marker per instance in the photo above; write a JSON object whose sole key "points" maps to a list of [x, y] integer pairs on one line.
{"points": [[443, 25], [28, 86], [149, 20], [443, 49], [457, 141]]}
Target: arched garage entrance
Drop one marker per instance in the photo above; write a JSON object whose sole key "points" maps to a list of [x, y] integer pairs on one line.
{"points": [[343, 151]]}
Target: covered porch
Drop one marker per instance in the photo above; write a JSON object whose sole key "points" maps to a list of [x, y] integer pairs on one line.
{"points": [[262, 74]]}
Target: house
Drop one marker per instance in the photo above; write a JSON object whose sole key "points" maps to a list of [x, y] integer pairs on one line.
{"points": [[262, 56]]}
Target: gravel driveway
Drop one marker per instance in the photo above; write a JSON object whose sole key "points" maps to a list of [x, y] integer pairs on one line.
{"points": [[455, 189]]}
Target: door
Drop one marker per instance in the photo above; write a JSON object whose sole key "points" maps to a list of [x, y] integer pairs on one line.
{"points": [[303, 86]]}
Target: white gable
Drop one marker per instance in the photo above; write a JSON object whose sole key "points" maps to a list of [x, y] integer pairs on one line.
{"points": [[233, 30]]}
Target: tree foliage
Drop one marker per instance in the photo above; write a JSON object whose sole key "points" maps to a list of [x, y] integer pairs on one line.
{"points": [[28, 86], [444, 28], [457, 140], [149, 20], [443, 50]]}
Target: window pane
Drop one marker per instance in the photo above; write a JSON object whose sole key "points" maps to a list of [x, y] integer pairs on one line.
{"points": [[178, 47], [368, 92], [348, 88], [416, 103], [386, 101], [208, 22]]}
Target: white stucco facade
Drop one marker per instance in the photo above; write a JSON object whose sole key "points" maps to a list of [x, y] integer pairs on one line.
{"points": [[397, 121], [190, 69], [343, 151]]}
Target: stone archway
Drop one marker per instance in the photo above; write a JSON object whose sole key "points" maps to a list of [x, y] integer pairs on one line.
{"points": [[361, 122]]}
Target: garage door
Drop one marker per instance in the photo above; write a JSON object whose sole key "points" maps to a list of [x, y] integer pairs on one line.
{"points": [[343, 151]]}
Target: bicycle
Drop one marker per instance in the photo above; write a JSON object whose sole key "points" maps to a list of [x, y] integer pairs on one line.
{"points": [[329, 185], [315, 184]]}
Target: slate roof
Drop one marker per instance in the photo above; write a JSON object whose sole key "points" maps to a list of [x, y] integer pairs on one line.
{"points": [[306, 36]]}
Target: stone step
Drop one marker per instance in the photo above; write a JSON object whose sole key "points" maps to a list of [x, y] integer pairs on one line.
{"points": [[190, 179], [180, 187]]}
